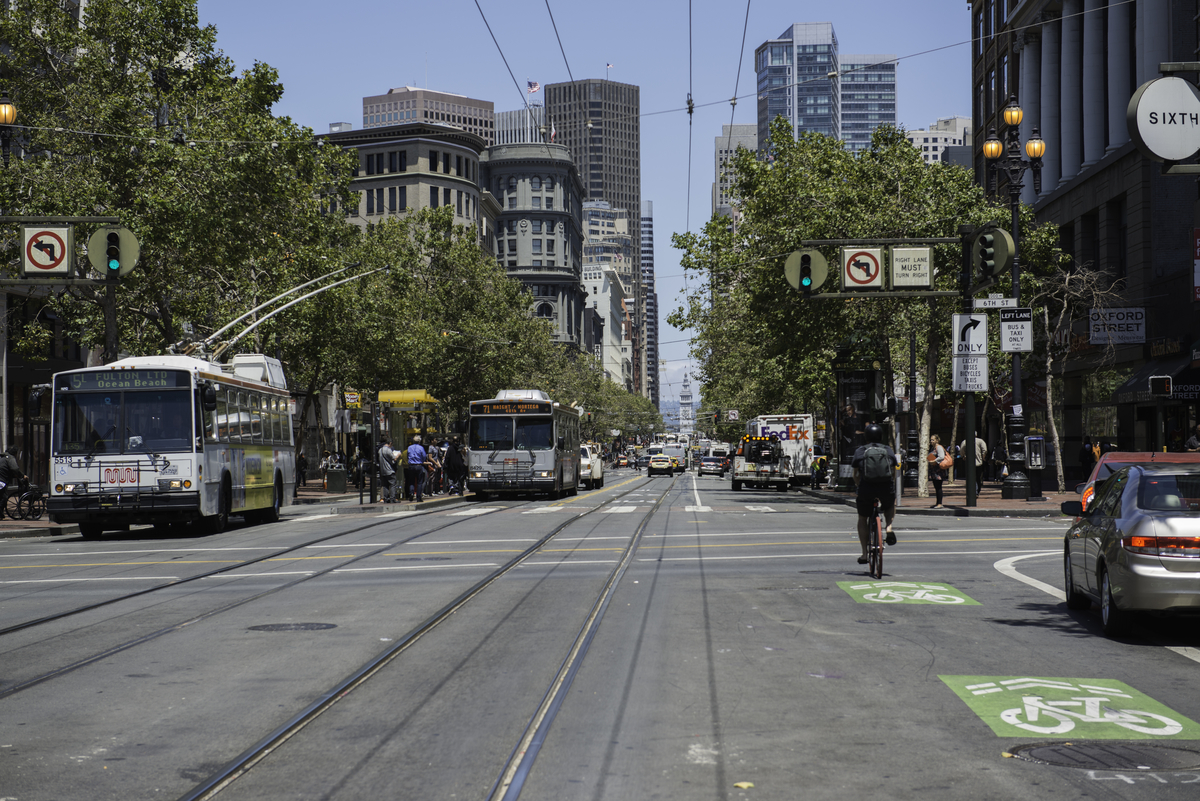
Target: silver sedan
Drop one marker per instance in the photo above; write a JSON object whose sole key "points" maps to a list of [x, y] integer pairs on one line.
{"points": [[1137, 548]]}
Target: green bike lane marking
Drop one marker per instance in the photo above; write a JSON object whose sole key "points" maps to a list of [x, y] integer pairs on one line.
{"points": [[1093, 709], [906, 592]]}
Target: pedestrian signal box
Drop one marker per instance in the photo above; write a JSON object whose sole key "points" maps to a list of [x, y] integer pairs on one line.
{"points": [[1160, 386]]}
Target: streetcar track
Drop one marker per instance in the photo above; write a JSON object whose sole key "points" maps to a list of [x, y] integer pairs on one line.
{"points": [[249, 758], [57, 672]]}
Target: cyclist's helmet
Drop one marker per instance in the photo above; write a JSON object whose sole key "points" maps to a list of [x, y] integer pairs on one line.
{"points": [[874, 433]]}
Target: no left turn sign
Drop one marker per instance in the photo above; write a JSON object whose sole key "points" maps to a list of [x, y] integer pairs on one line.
{"points": [[47, 250], [862, 268]]}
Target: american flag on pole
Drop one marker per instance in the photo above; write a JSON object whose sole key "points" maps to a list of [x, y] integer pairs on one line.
{"points": [[534, 86], [553, 130], [608, 66]]}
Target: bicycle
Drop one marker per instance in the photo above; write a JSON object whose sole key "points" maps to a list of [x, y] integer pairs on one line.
{"points": [[875, 526], [26, 503]]}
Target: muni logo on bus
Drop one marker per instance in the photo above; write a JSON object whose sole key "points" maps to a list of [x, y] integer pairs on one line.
{"points": [[120, 475]]}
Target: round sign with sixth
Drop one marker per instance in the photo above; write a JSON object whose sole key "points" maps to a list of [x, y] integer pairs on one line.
{"points": [[861, 269]]}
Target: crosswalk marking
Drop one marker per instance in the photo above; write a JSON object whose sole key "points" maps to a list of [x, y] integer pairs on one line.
{"points": [[617, 510], [697, 508], [760, 508], [478, 510]]}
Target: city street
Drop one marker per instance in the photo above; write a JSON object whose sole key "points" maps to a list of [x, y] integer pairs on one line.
{"points": [[674, 639]]}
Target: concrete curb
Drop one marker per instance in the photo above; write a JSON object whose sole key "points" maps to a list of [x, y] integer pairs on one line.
{"points": [[1044, 510], [48, 530]]}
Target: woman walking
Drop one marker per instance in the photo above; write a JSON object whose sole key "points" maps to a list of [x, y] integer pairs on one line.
{"points": [[937, 473]]}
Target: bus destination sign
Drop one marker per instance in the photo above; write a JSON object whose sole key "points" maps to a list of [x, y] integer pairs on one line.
{"points": [[125, 379], [511, 407]]}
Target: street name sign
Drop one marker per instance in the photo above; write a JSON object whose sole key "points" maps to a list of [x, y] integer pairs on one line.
{"points": [[1016, 330], [862, 268], [46, 250], [994, 303], [912, 268], [1163, 118]]}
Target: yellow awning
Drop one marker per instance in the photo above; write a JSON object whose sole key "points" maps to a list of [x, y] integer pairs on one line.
{"points": [[407, 397]]}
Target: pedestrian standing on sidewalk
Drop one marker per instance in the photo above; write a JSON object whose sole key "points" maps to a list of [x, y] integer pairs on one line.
{"points": [[10, 474], [387, 472], [980, 455], [456, 467], [937, 473], [414, 471], [301, 469]]}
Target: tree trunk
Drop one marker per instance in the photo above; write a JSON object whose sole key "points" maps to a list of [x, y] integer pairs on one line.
{"points": [[931, 366], [1058, 454]]}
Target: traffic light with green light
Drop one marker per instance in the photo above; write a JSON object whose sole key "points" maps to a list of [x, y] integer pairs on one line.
{"points": [[112, 255]]}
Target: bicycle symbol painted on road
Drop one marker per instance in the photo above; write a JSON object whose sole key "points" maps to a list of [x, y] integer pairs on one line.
{"points": [[1098, 709], [905, 592]]}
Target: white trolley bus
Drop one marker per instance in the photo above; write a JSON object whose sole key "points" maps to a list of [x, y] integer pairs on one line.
{"points": [[522, 442], [171, 440]]}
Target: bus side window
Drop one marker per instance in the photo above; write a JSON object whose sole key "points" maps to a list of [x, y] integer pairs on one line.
{"points": [[277, 420], [256, 425], [221, 418]]}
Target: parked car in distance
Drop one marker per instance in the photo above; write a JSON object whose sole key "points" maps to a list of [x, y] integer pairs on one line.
{"points": [[660, 464], [1137, 547], [1113, 461], [643, 462], [712, 465], [623, 461]]}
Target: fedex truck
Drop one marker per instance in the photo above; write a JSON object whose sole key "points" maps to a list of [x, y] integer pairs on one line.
{"points": [[795, 435]]}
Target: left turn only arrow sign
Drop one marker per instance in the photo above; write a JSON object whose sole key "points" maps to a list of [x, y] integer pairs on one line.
{"points": [[46, 250]]}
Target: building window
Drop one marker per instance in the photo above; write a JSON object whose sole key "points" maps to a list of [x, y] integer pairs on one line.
{"points": [[512, 201], [403, 198], [536, 246], [458, 170], [536, 202], [537, 226], [446, 165], [549, 246], [433, 197], [549, 202], [379, 199], [392, 199], [446, 197], [512, 246], [433, 160], [370, 202], [458, 203], [535, 183], [537, 262]]}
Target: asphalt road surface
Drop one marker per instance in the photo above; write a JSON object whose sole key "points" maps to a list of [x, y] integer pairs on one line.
{"points": [[660, 638]]}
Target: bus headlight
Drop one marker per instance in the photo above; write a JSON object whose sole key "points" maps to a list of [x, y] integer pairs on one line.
{"points": [[545, 474], [478, 474], [168, 484], [72, 489]]}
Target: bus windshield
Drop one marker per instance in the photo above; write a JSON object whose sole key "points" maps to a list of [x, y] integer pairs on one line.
{"points": [[507, 433], [123, 422]]}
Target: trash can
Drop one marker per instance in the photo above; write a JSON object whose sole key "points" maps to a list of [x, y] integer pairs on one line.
{"points": [[335, 480]]}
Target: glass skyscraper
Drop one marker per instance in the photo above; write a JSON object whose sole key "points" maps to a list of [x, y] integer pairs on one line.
{"points": [[793, 81], [868, 84]]}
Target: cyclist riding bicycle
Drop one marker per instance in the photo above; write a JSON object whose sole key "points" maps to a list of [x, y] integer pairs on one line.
{"points": [[874, 465]]}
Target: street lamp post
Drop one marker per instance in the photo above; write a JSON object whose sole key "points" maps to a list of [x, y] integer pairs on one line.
{"points": [[1005, 157], [8, 115]]}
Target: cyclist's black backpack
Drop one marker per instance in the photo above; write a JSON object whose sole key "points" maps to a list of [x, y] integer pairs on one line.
{"points": [[875, 464]]}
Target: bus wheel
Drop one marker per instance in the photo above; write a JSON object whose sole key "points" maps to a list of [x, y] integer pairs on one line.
{"points": [[90, 531], [217, 523], [271, 515]]}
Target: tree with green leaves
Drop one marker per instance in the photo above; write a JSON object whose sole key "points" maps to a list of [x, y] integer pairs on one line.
{"points": [[762, 347]]}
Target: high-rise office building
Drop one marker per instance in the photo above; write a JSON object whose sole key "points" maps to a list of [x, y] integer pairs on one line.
{"points": [[868, 96], [599, 122], [937, 141], [409, 104], [724, 147], [651, 302], [794, 81]]}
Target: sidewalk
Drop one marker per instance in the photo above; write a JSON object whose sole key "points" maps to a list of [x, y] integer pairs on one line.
{"points": [[954, 498]]}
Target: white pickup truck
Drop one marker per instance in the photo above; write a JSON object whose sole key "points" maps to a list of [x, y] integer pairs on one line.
{"points": [[591, 466]]}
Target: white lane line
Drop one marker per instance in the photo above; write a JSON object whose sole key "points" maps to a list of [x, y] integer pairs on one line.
{"points": [[355, 545], [405, 513], [835, 532], [478, 510], [699, 507], [1005, 566], [618, 510], [816, 507], [440, 543], [248, 575]]}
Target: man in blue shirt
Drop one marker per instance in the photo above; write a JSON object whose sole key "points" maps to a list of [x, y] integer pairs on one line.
{"points": [[414, 470]]}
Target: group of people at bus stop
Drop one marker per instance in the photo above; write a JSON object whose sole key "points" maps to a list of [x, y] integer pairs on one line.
{"points": [[423, 470]]}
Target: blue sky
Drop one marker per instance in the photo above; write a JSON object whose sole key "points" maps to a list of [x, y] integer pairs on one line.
{"points": [[330, 56]]}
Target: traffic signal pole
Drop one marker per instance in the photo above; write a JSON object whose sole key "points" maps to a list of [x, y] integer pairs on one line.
{"points": [[967, 233]]}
